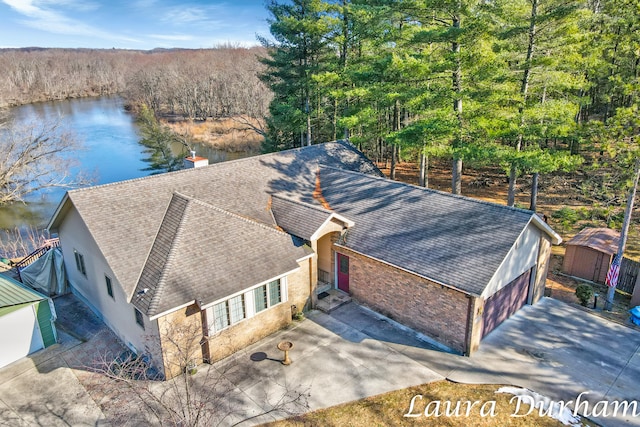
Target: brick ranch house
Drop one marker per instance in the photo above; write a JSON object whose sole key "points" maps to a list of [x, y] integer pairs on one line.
{"points": [[229, 251]]}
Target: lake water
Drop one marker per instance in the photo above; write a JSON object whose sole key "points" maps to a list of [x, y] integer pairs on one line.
{"points": [[110, 151]]}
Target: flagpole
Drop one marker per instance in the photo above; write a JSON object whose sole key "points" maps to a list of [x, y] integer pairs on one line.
{"points": [[623, 233]]}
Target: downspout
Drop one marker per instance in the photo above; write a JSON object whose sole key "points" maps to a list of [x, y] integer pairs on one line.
{"points": [[312, 303], [467, 332]]}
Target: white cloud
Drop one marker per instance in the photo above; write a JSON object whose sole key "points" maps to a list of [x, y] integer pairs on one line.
{"points": [[76, 5], [41, 16], [194, 15]]}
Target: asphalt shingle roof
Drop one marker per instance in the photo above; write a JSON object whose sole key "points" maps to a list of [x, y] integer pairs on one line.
{"points": [[208, 232], [204, 253], [453, 240], [124, 217], [298, 218]]}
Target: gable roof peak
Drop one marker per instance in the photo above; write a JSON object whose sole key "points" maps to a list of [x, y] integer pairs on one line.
{"points": [[163, 249]]}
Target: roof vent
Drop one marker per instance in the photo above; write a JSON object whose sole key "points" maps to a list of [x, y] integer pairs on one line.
{"points": [[194, 161]]}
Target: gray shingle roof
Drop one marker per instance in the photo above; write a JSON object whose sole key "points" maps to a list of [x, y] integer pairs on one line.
{"points": [[217, 236], [124, 217], [298, 218], [453, 240], [204, 253]]}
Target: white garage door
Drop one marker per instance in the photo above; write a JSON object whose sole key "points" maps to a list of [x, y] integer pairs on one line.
{"points": [[19, 335]]}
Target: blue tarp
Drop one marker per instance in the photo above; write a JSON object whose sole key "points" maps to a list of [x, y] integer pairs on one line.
{"points": [[635, 315]]}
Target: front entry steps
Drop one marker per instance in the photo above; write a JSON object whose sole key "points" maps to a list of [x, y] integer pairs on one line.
{"points": [[335, 298]]}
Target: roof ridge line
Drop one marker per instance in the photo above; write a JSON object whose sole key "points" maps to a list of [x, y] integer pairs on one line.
{"points": [[431, 190], [234, 215], [162, 280], [180, 171]]}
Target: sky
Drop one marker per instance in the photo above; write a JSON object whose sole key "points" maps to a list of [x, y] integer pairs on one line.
{"points": [[130, 24]]}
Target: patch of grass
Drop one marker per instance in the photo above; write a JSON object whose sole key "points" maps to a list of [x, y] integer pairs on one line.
{"points": [[388, 409], [227, 134]]}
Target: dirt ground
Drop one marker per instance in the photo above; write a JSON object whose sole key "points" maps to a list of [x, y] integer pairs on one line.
{"points": [[555, 192]]}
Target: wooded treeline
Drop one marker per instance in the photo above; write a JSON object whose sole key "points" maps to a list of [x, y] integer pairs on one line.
{"points": [[524, 84], [196, 84]]}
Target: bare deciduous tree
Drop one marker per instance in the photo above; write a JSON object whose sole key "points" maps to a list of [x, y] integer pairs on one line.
{"points": [[17, 242], [35, 156], [201, 396]]}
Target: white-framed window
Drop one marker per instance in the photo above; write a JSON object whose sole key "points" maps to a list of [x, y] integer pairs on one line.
{"points": [[220, 316], [275, 293], [233, 310], [236, 309], [260, 298], [80, 262], [267, 295]]}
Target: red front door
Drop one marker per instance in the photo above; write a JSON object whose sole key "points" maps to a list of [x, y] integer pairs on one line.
{"points": [[343, 273]]}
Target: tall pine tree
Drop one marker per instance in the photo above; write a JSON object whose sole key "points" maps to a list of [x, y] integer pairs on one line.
{"points": [[300, 51]]}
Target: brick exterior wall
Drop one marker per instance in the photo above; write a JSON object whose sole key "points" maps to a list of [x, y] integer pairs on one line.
{"points": [[180, 335], [439, 312], [181, 332], [248, 331], [266, 322], [302, 284]]}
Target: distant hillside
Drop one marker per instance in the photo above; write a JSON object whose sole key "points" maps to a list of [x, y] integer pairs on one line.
{"points": [[192, 83]]}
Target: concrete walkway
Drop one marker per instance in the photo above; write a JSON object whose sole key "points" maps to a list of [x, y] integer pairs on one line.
{"points": [[333, 362], [43, 389]]}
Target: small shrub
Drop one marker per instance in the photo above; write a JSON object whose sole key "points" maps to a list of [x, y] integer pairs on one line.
{"points": [[584, 293], [566, 214], [298, 315]]}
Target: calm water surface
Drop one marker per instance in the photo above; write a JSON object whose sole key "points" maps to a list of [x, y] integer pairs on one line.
{"points": [[109, 151]]}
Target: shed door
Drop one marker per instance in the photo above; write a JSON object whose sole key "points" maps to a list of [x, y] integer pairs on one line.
{"points": [[504, 303], [343, 272], [19, 335], [585, 263]]}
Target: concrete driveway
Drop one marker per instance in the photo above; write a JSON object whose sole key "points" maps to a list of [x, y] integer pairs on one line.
{"points": [[551, 348], [561, 351]]}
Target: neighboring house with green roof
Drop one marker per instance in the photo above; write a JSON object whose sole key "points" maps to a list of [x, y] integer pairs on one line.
{"points": [[26, 321], [230, 250]]}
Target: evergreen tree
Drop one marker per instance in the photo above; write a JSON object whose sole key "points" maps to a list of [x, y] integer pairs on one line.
{"points": [[539, 43], [300, 52], [157, 140]]}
